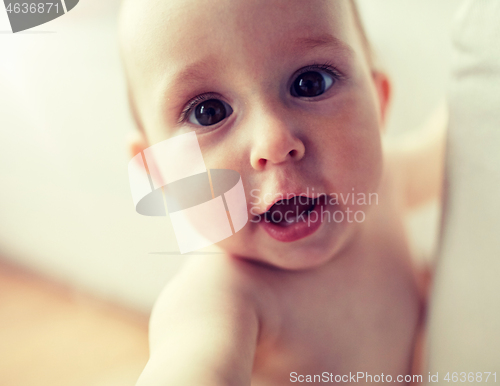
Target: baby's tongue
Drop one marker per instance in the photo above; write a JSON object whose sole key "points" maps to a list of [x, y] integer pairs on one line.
{"points": [[285, 212]]}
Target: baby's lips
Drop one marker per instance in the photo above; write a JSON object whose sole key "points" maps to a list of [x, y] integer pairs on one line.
{"points": [[265, 201], [262, 203]]}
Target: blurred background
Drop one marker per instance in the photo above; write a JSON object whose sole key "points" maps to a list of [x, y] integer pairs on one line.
{"points": [[79, 268]]}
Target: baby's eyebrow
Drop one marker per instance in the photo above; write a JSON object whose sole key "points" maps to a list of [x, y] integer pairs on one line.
{"points": [[304, 43], [194, 73], [178, 83]]}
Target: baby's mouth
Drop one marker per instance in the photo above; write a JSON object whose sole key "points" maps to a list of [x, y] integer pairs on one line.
{"points": [[287, 212]]}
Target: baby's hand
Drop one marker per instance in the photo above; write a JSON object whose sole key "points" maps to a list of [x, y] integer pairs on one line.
{"points": [[203, 330], [416, 161]]}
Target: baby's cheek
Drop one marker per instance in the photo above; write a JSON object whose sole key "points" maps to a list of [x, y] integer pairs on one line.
{"points": [[363, 144], [352, 159], [223, 149]]}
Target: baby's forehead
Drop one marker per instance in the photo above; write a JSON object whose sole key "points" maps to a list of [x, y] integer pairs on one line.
{"points": [[158, 27]]}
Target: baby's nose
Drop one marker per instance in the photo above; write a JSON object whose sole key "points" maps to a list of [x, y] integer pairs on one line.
{"points": [[275, 142]]}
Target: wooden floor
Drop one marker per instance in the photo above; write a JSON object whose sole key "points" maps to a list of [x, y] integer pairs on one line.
{"points": [[50, 335]]}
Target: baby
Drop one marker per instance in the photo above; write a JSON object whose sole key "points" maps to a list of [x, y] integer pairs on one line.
{"points": [[319, 285]]}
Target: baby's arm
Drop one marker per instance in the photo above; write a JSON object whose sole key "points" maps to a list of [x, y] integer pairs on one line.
{"points": [[417, 160], [202, 332]]}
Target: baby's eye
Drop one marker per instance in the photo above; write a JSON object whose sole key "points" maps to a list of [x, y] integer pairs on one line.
{"points": [[311, 83], [210, 112]]}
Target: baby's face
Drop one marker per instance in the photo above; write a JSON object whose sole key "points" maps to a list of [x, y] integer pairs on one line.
{"points": [[278, 90]]}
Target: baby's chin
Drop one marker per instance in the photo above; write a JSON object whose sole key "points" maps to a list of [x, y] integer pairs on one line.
{"points": [[293, 260], [308, 253], [297, 261]]}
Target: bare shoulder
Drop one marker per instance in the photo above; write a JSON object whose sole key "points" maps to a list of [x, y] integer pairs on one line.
{"points": [[213, 287]]}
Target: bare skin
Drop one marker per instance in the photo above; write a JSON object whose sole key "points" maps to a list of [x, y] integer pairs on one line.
{"points": [[359, 312], [342, 299]]}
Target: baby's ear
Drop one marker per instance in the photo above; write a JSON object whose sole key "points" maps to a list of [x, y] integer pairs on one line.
{"points": [[383, 87], [136, 142]]}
